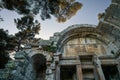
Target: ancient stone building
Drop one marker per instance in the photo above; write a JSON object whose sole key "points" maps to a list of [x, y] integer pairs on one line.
{"points": [[83, 52], [86, 53]]}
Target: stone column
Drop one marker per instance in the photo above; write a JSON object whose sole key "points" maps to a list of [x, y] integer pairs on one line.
{"points": [[118, 66], [58, 72], [79, 72], [98, 67]]}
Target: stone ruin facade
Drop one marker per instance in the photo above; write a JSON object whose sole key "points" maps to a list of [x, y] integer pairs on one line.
{"points": [[83, 52]]}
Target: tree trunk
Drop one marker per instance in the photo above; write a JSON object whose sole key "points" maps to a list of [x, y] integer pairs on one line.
{"points": [[19, 43]]}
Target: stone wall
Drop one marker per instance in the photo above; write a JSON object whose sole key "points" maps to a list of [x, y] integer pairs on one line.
{"points": [[24, 69], [5, 74], [119, 64], [110, 23], [24, 66]]}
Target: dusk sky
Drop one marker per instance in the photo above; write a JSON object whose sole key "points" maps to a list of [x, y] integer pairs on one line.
{"points": [[87, 15]]}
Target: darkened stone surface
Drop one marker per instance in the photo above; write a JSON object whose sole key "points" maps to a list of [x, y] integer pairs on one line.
{"points": [[110, 25], [113, 14], [110, 30], [116, 1]]}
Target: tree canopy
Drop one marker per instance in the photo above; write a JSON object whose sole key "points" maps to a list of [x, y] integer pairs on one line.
{"points": [[7, 43], [61, 9], [28, 28]]}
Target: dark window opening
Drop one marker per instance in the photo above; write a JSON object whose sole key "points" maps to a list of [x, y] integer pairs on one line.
{"points": [[68, 73], [88, 74], [111, 72]]}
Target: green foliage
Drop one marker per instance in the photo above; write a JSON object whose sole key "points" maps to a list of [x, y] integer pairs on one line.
{"points": [[64, 9], [7, 43], [49, 48], [61, 9], [20, 5], [1, 19], [101, 15], [27, 27]]}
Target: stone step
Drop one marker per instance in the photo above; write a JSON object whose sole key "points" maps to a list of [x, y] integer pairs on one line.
{"points": [[87, 63], [87, 66], [88, 76]]}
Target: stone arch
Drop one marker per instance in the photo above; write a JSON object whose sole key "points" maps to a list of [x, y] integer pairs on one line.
{"points": [[81, 31], [39, 65], [33, 52]]}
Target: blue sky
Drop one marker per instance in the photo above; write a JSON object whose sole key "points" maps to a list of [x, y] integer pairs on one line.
{"points": [[87, 15]]}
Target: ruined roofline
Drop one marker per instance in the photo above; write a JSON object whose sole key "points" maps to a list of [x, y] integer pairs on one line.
{"points": [[76, 26]]}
